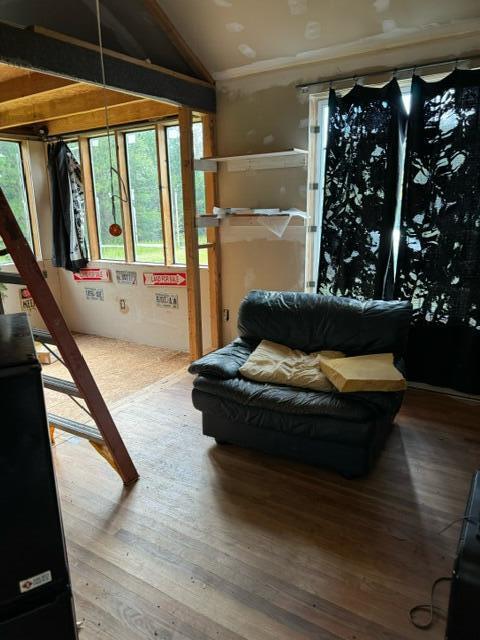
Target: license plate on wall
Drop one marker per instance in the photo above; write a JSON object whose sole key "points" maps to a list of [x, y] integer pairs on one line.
{"points": [[165, 279], [92, 275], [167, 300]]}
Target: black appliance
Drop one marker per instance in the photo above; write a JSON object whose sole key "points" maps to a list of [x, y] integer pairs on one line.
{"points": [[463, 621], [35, 594]]}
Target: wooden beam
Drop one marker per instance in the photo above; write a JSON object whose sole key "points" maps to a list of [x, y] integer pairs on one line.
{"points": [[30, 84], [7, 72], [90, 212], [164, 181], [77, 60], [125, 114], [191, 239], [125, 202], [68, 101], [116, 54], [167, 26], [213, 237]]}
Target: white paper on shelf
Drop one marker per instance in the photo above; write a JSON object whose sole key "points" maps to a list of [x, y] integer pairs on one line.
{"points": [[266, 212], [295, 212], [277, 225], [221, 212]]}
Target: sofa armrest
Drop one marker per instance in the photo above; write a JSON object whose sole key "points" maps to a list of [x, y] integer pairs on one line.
{"points": [[225, 362]]}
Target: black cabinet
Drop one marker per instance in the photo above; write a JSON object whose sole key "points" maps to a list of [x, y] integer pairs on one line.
{"points": [[35, 592]]}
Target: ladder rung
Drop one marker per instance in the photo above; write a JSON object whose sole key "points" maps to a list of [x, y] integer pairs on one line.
{"points": [[90, 432], [62, 386], [10, 278], [40, 335]]}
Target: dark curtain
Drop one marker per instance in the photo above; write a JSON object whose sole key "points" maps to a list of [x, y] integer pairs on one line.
{"points": [[439, 256], [68, 209], [365, 132]]}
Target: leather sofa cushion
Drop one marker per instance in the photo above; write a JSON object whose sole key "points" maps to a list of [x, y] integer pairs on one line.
{"points": [[312, 322], [374, 372], [290, 400], [277, 364], [223, 363], [327, 429]]}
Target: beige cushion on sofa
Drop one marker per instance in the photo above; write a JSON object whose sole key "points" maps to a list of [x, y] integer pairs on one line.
{"points": [[278, 364], [364, 373]]}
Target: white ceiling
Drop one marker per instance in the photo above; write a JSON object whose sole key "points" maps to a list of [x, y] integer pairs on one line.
{"points": [[237, 37]]}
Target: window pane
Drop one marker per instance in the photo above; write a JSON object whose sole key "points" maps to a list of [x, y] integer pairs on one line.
{"points": [[75, 149], [145, 196], [13, 184], [111, 248], [173, 148]]}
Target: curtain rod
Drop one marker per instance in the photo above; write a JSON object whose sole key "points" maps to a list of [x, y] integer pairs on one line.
{"points": [[394, 71]]}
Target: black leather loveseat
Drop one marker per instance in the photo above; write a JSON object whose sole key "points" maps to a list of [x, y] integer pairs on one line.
{"points": [[342, 431]]}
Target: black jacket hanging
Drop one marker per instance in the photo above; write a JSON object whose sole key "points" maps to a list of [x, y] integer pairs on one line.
{"points": [[439, 254], [68, 209], [362, 167]]}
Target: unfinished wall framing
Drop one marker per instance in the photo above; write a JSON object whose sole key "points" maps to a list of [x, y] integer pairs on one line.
{"points": [[34, 104]]}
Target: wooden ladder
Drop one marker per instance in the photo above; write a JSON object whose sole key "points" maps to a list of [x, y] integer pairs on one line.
{"points": [[104, 437]]}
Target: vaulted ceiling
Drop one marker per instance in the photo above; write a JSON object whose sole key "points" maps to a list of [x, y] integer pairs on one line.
{"points": [[249, 35], [128, 26], [237, 37]]}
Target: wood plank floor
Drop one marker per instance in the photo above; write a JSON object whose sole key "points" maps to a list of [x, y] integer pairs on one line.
{"points": [[220, 543]]}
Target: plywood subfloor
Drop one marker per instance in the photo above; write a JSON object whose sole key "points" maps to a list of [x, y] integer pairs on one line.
{"points": [[222, 543], [119, 367]]}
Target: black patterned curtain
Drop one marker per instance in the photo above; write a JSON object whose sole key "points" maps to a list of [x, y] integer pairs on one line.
{"points": [[439, 255], [365, 131]]}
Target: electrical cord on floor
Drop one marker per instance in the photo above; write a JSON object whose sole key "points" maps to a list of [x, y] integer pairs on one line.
{"points": [[429, 607], [461, 519]]}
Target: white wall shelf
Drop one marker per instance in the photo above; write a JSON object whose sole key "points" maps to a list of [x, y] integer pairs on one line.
{"points": [[296, 217], [269, 160]]}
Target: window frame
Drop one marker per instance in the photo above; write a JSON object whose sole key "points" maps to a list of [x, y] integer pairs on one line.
{"points": [[27, 178], [120, 150]]}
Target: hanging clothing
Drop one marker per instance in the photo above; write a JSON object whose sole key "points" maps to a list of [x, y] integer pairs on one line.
{"points": [[439, 256], [70, 249], [365, 132]]}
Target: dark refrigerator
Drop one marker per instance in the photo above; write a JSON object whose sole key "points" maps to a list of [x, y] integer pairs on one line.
{"points": [[35, 592]]}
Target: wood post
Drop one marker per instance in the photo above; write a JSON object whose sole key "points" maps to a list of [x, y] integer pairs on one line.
{"points": [[90, 212], [191, 236], [213, 236]]}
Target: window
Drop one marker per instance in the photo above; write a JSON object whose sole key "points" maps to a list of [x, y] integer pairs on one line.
{"points": [[176, 199], [144, 193], [12, 181], [111, 248], [75, 149], [148, 195]]}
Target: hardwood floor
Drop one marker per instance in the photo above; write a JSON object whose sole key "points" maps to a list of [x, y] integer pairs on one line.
{"points": [[221, 543]]}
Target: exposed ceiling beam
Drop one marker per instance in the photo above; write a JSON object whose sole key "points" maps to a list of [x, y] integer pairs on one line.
{"points": [[29, 84], [76, 60], [166, 25], [120, 115], [72, 100], [7, 72]]}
